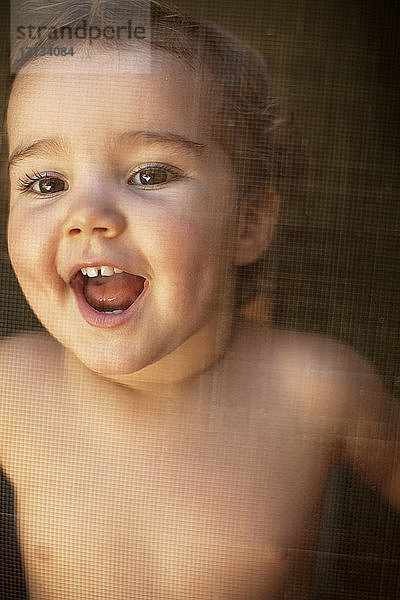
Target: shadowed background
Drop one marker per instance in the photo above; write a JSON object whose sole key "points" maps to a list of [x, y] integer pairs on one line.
{"points": [[334, 264]]}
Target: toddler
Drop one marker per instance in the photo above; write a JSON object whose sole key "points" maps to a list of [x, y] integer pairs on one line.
{"points": [[160, 446]]}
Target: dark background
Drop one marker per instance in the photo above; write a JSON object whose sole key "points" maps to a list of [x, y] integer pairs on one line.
{"points": [[335, 260]]}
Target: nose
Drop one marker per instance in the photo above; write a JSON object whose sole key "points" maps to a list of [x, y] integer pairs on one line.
{"points": [[94, 216]]}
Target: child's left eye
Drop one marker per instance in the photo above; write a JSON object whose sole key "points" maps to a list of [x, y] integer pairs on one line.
{"points": [[152, 176]]}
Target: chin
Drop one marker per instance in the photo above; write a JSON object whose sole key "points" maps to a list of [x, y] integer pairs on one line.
{"points": [[112, 359], [109, 365]]}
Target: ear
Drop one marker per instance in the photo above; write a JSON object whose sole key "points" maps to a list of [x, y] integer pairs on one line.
{"points": [[257, 221]]}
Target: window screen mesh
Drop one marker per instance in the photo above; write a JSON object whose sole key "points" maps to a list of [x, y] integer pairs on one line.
{"points": [[333, 267]]}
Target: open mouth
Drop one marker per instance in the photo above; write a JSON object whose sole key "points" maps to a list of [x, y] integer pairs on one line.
{"points": [[108, 289]]}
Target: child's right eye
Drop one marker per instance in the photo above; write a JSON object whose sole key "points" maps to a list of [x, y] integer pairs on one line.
{"points": [[43, 184]]}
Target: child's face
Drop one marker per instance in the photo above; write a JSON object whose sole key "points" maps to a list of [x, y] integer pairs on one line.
{"points": [[119, 170]]}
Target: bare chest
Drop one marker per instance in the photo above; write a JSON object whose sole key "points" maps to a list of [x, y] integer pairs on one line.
{"points": [[210, 508], [159, 518]]}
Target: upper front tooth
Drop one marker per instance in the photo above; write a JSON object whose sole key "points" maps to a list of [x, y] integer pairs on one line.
{"points": [[92, 271], [105, 270]]}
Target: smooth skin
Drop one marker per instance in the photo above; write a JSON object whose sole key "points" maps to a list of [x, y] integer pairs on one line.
{"points": [[181, 454]]}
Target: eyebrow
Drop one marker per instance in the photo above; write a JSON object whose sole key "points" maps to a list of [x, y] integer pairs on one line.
{"points": [[54, 145], [37, 148], [167, 138]]}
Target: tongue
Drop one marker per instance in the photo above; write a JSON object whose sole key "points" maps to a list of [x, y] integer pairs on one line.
{"points": [[113, 293]]}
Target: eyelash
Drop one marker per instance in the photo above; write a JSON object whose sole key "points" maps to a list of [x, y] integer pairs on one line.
{"points": [[25, 185], [175, 174]]}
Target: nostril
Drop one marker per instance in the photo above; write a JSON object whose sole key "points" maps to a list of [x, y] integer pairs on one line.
{"points": [[87, 222], [76, 230]]}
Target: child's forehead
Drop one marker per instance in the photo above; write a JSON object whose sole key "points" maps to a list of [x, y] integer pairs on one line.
{"points": [[113, 81], [87, 110], [124, 64], [96, 60]]}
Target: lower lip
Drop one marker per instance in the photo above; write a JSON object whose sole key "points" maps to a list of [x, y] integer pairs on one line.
{"points": [[104, 320]]}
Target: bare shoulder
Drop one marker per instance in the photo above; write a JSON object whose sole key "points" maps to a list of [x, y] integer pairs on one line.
{"points": [[317, 355], [26, 354], [290, 351], [25, 362], [321, 375]]}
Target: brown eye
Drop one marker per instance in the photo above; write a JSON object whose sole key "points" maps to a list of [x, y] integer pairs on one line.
{"points": [[49, 185], [152, 176], [42, 184]]}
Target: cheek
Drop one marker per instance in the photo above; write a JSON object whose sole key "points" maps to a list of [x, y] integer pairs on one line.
{"points": [[30, 244], [19, 246], [191, 258], [188, 238]]}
